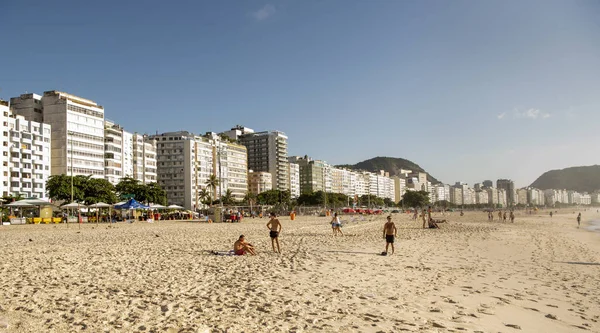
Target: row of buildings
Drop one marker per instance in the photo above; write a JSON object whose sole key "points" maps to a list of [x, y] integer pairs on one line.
{"points": [[59, 133], [504, 194]]}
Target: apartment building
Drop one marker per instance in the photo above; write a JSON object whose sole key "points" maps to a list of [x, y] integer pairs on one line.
{"points": [[312, 174], [77, 130], [267, 152], [294, 180], [399, 187], [185, 161], [118, 152], [259, 182], [508, 186], [26, 155], [456, 195], [144, 158]]}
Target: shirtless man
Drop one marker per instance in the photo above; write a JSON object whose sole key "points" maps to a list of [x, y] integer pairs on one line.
{"points": [[275, 228], [240, 247], [423, 213], [512, 216], [389, 232]]}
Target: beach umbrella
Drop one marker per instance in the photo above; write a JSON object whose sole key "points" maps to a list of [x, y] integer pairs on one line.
{"points": [[19, 204], [174, 207], [156, 206], [98, 206]]}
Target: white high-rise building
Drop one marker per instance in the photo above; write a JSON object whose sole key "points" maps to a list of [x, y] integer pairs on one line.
{"points": [[77, 130], [185, 161], [294, 180], [26, 155], [117, 150], [144, 158]]}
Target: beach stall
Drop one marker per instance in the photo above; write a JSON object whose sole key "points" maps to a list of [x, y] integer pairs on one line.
{"points": [[131, 205], [74, 206], [98, 206], [18, 205]]}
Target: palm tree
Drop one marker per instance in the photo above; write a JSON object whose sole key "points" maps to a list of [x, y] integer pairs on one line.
{"points": [[227, 198], [204, 195], [212, 182]]}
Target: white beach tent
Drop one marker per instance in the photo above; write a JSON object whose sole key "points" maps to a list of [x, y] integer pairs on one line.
{"points": [[100, 205], [175, 207]]}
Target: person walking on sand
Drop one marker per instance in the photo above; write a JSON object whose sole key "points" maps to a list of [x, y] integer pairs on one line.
{"points": [[578, 220], [512, 216], [499, 215], [423, 213], [240, 247], [504, 217], [275, 228], [336, 225], [389, 233]]}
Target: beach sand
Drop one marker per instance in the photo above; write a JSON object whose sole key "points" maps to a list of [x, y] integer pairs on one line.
{"points": [[536, 275]]}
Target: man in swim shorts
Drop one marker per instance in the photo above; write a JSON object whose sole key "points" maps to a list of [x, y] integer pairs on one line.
{"points": [[275, 228], [389, 233], [240, 247]]}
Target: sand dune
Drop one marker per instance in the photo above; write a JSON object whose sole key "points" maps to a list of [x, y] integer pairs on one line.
{"points": [[472, 275]]}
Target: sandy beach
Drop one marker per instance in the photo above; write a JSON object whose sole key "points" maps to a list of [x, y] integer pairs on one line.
{"points": [[536, 275]]}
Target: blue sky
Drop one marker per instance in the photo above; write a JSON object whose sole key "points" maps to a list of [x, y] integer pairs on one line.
{"points": [[470, 90]]}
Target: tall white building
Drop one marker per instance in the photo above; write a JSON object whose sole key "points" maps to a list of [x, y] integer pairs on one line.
{"points": [[118, 148], [294, 180], [185, 161], [77, 130], [26, 155], [144, 159]]}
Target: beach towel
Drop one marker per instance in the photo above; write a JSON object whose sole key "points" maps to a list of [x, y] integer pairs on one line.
{"points": [[223, 253]]}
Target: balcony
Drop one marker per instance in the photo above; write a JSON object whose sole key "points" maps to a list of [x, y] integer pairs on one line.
{"points": [[38, 181], [15, 179], [38, 171], [26, 180], [38, 190], [26, 170]]}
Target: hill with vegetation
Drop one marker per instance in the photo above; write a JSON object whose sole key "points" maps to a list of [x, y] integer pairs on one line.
{"points": [[392, 165], [580, 179]]}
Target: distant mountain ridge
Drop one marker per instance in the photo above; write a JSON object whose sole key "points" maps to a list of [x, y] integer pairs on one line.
{"points": [[393, 165], [580, 179]]}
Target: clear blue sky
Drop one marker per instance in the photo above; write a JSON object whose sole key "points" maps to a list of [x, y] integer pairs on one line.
{"points": [[470, 90]]}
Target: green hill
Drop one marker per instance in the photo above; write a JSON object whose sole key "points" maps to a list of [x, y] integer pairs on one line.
{"points": [[389, 164], [581, 179]]}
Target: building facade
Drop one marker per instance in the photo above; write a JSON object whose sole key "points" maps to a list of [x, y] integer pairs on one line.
{"points": [[77, 130], [26, 155], [144, 159], [267, 152], [185, 162], [294, 180], [259, 182]]}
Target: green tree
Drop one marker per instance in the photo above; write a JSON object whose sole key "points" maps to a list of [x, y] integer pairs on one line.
{"points": [[273, 197], [227, 198], [156, 194], [389, 202], [415, 199], [59, 187], [128, 186], [212, 182], [98, 190], [369, 199]]}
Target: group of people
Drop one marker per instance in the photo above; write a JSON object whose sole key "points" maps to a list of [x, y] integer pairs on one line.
{"points": [[242, 247], [502, 216]]}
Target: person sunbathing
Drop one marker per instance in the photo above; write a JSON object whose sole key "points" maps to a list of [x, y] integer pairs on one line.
{"points": [[240, 247], [433, 224]]}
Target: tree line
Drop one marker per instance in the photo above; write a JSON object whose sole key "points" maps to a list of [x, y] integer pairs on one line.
{"points": [[90, 190]]}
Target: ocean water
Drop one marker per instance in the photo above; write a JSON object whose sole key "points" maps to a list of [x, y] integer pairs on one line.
{"points": [[594, 226]]}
